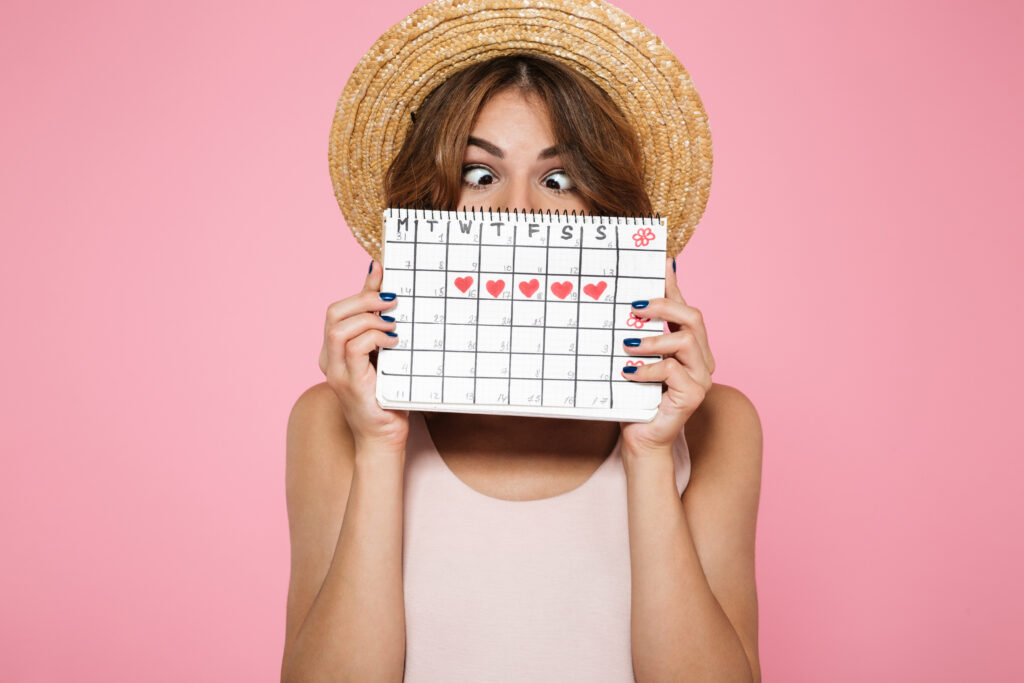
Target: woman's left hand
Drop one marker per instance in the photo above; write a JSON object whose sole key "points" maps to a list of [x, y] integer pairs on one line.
{"points": [[685, 369]]}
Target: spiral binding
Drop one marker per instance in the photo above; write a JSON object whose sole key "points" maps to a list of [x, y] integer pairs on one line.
{"points": [[546, 216]]}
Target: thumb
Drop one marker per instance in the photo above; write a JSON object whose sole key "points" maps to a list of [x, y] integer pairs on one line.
{"points": [[373, 277], [671, 283]]}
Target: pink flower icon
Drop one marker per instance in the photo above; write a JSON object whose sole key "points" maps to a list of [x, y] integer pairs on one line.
{"points": [[636, 321], [643, 237]]}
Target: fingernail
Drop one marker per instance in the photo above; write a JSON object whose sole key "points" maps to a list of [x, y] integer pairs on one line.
{"points": [[632, 341], [673, 265], [371, 267], [387, 296], [391, 334], [642, 303], [387, 318], [629, 369]]}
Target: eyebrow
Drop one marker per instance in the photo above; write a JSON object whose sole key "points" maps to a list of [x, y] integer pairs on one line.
{"points": [[491, 148]]}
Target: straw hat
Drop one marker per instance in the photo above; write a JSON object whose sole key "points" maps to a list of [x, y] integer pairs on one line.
{"points": [[642, 76]]}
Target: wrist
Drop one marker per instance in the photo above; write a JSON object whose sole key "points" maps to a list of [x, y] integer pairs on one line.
{"points": [[647, 459], [377, 450]]}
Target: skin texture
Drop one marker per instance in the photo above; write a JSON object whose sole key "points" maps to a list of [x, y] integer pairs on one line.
{"points": [[694, 598]]}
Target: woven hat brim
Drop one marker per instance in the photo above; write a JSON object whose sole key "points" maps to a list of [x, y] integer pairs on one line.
{"points": [[641, 75]]}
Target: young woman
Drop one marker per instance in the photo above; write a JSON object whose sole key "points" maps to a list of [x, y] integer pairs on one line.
{"points": [[467, 547]]}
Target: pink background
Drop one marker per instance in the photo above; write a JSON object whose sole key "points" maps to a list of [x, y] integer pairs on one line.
{"points": [[171, 244]]}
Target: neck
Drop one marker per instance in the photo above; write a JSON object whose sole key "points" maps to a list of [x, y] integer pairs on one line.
{"points": [[521, 434]]}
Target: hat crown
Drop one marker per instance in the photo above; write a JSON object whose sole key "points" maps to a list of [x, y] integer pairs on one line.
{"points": [[641, 75]]}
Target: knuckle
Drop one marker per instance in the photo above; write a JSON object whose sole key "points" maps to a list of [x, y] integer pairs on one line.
{"points": [[336, 310], [352, 348], [336, 335]]}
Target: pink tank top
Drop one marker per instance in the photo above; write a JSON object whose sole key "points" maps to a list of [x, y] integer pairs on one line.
{"points": [[499, 590]]}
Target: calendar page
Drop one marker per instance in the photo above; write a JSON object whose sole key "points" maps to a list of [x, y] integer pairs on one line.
{"points": [[519, 314]]}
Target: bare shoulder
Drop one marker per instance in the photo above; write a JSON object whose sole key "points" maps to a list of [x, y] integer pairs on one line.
{"points": [[725, 427], [317, 429], [319, 461]]}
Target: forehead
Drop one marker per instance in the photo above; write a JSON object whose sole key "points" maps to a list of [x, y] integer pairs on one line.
{"points": [[514, 114]]}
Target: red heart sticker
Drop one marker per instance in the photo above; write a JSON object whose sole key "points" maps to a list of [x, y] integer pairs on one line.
{"points": [[494, 287], [595, 291], [561, 289], [528, 288], [463, 283]]}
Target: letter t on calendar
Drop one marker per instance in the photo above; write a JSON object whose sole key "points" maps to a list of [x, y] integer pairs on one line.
{"points": [[519, 314]]}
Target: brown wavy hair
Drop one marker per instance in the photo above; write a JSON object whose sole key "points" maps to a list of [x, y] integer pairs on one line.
{"points": [[601, 152]]}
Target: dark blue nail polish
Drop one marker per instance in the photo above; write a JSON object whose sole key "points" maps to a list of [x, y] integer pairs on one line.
{"points": [[391, 334], [629, 369], [632, 341], [642, 303], [673, 265], [387, 318], [371, 268], [387, 296]]}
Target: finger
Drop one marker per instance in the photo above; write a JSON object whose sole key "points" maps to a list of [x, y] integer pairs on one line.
{"points": [[671, 284], [366, 300], [681, 345], [676, 313], [339, 334], [683, 391], [666, 309], [374, 275], [357, 351]]}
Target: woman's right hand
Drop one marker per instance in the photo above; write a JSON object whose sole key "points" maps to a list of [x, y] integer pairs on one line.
{"points": [[352, 331]]}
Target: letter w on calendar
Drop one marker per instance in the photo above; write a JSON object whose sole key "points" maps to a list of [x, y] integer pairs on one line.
{"points": [[519, 315]]}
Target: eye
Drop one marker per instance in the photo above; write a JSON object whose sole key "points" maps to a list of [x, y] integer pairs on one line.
{"points": [[477, 175], [558, 181]]}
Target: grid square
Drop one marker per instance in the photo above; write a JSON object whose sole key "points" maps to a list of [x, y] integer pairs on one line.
{"points": [[559, 393], [560, 340], [492, 391], [593, 395], [528, 340], [532, 260], [427, 363], [426, 388], [526, 366], [559, 367], [459, 389], [525, 392]]}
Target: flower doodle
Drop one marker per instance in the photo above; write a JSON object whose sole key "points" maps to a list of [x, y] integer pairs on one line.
{"points": [[643, 237], [636, 321]]}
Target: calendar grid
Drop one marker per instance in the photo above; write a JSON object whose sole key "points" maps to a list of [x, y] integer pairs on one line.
{"points": [[615, 298], [544, 334], [567, 384], [412, 313], [439, 270], [476, 339], [520, 353], [632, 381], [576, 348], [444, 317], [512, 294]]}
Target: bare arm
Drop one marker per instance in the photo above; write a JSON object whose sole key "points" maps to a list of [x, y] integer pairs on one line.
{"points": [[346, 612], [694, 597]]}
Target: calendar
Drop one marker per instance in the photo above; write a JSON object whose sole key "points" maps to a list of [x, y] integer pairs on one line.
{"points": [[519, 313]]}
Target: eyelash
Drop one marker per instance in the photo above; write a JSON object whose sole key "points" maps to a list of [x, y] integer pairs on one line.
{"points": [[477, 187]]}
